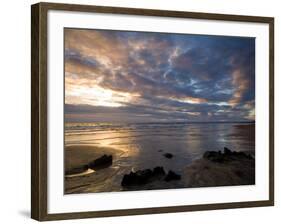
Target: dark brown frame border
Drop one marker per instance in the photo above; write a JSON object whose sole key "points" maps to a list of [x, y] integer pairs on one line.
{"points": [[39, 110]]}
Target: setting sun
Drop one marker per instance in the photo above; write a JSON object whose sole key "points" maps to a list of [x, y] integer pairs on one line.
{"points": [[98, 96]]}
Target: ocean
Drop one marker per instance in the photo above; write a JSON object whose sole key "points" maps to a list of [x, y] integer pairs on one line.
{"points": [[143, 144]]}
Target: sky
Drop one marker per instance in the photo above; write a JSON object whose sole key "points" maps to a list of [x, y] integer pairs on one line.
{"points": [[125, 76]]}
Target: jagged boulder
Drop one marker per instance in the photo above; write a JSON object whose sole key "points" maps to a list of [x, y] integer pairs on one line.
{"points": [[142, 177], [214, 156], [168, 155], [172, 176], [227, 151], [101, 162], [158, 171], [139, 177], [227, 155]]}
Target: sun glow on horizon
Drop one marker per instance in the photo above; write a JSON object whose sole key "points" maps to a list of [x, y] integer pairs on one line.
{"points": [[99, 96]]}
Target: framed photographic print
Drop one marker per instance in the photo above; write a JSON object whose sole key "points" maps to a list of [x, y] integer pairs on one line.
{"points": [[138, 111]]}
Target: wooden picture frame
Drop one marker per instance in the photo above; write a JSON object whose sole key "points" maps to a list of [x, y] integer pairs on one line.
{"points": [[39, 109]]}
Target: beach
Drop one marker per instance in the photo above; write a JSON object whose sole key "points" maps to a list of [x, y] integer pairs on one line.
{"points": [[139, 147]]}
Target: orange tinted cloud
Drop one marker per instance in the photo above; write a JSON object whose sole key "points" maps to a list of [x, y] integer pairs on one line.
{"points": [[241, 85], [189, 99]]}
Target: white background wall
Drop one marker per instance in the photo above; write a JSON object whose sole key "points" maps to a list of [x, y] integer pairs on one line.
{"points": [[15, 111]]}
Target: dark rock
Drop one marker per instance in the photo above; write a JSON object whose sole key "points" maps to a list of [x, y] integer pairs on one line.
{"points": [[144, 174], [210, 154], [242, 155], [129, 179], [249, 156], [227, 155], [227, 151], [213, 156], [238, 154], [142, 177], [159, 171], [101, 162], [172, 176], [160, 150], [168, 155], [137, 178]]}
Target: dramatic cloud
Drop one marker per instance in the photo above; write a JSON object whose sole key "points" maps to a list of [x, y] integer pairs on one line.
{"points": [[125, 76]]}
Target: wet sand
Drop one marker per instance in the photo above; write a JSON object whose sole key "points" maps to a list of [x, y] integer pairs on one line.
{"points": [[90, 180], [200, 173]]}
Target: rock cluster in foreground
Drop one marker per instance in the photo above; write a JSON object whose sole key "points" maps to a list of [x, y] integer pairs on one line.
{"points": [[142, 177], [216, 168], [227, 155]]}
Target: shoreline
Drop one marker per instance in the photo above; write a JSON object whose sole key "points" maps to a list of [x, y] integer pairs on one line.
{"points": [[202, 172]]}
